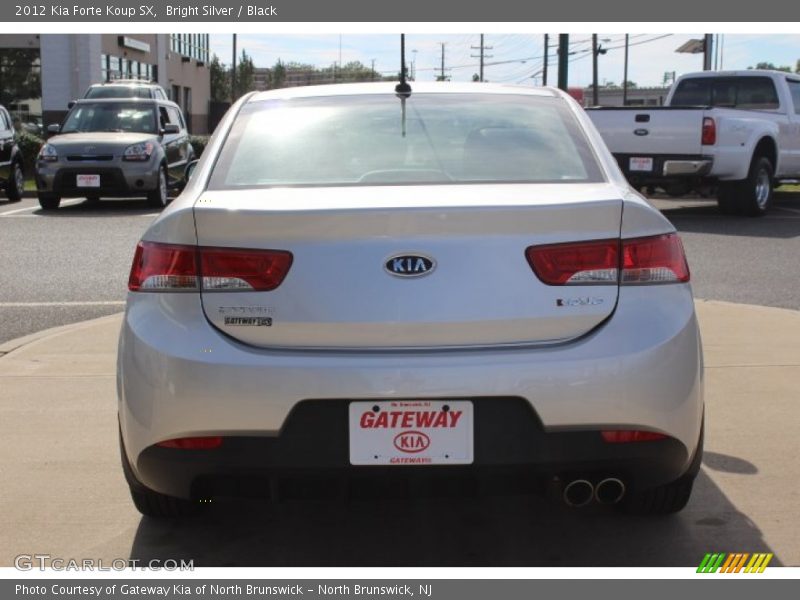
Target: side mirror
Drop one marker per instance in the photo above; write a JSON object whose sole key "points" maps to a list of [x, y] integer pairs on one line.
{"points": [[71, 103], [170, 129], [53, 128], [187, 173]]}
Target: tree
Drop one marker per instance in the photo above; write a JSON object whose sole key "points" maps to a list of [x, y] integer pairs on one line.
{"points": [[278, 75], [220, 80], [245, 73], [20, 75], [476, 78], [771, 67], [631, 85]]}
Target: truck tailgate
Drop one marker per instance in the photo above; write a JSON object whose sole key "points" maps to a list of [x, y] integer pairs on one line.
{"points": [[652, 131]]}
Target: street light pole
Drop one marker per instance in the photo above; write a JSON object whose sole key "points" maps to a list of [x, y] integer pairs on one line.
{"points": [[233, 72]]}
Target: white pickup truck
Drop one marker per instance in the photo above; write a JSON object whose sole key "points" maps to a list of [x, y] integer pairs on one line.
{"points": [[736, 133]]}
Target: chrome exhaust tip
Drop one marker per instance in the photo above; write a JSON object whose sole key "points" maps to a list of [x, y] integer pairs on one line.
{"points": [[609, 491], [578, 492]]}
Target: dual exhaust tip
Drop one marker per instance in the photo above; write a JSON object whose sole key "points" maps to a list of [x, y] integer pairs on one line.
{"points": [[580, 492]]}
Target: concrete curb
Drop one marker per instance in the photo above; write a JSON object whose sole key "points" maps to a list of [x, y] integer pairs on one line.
{"points": [[15, 344]]}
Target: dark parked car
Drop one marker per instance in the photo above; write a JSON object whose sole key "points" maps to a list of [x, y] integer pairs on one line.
{"points": [[115, 147], [12, 178]]}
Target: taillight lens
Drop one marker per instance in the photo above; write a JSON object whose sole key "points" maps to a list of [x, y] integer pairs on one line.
{"points": [[654, 259], [164, 267], [578, 263], [629, 436], [161, 267], [709, 135]]}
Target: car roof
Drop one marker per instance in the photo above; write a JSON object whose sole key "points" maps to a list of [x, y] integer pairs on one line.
{"points": [[126, 82], [126, 100], [388, 87]]}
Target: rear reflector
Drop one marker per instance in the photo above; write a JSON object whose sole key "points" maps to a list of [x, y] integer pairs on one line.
{"points": [[655, 259], [627, 436], [193, 443], [173, 268], [709, 134]]}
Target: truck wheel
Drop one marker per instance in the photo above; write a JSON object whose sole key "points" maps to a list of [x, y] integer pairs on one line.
{"points": [[757, 194]]}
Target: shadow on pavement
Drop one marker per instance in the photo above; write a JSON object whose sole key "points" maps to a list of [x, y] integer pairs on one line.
{"points": [[512, 530], [111, 207], [702, 216]]}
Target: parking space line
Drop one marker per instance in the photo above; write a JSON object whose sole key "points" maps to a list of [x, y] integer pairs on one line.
{"points": [[37, 207], [44, 304]]}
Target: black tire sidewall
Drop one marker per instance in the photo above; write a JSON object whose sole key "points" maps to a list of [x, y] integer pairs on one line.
{"points": [[748, 203]]}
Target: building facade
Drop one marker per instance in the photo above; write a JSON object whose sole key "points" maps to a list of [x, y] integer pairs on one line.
{"points": [[71, 63]]}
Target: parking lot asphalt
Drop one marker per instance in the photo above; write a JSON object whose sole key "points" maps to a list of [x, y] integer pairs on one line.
{"points": [[64, 493]]}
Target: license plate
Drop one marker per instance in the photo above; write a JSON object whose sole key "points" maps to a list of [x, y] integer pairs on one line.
{"points": [[411, 432], [640, 163], [87, 181]]}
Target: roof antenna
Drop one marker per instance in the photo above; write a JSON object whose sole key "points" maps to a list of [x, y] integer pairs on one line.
{"points": [[403, 87]]}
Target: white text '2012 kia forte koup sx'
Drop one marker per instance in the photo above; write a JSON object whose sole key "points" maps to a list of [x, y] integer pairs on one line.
{"points": [[448, 281]]}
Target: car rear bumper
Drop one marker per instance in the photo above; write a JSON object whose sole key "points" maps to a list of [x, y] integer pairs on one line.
{"points": [[667, 167], [116, 180], [537, 408]]}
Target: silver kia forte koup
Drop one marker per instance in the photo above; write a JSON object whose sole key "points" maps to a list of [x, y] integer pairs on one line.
{"points": [[446, 282]]}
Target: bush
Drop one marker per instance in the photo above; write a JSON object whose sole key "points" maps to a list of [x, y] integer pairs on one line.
{"points": [[199, 143], [29, 145]]}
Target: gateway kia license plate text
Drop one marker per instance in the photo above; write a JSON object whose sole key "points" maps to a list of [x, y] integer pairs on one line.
{"points": [[411, 432]]}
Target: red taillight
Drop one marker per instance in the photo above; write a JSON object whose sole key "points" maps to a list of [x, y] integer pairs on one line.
{"points": [[158, 267], [627, 436], [193, 443], [576, 263], [232, 269], [655, 259], [169, 267], [709, 135]]}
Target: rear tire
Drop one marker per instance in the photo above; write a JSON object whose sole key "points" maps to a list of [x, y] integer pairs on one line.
{"points": [[49, 201], [159, 197], [15, 186]]}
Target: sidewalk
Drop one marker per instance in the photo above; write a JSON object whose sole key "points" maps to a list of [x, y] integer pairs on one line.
{"points": [[64, 491]]}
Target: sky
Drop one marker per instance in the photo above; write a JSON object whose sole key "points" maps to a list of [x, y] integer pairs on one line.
{"points": [[520, 55]]}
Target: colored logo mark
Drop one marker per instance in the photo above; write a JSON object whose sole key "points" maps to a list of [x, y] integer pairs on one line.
{"points": [[734, 563]]}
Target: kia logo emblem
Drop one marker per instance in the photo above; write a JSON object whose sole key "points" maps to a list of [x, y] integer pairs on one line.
{"points": [[411, 442], [409, 265]]}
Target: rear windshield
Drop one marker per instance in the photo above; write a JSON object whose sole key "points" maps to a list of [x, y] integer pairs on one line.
{"points": [[426, 139], [110, 116], [755, 93], [119, 91]]}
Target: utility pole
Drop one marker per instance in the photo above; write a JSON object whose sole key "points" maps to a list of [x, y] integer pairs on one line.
{"points": [[625, 76], [482, 55], [442, 76], [372, 74], [595, 95], [546, 58], [563, 60], [233, 73]]}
